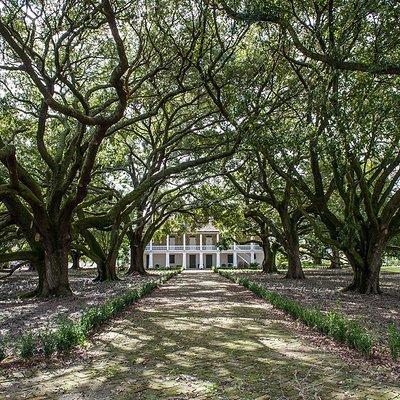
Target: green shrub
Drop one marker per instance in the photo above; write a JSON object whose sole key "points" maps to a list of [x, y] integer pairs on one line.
{"points": [[68, 335], [337, 326], [332, 324], [147, 288], [26, 345], [394, 341], [118, 305], [358, 338], [3, 347], [90, 319], [48, 342]]}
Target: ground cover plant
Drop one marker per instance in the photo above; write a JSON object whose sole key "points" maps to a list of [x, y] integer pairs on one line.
{"points": [[129, 123], [336, 325], [69, 334]]}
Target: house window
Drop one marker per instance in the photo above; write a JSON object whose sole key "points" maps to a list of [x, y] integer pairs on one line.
{"points": [[230, 258], [147, 260], [172, 258]]}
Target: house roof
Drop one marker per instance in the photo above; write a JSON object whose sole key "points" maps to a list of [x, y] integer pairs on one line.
{"points": [[208, 228]]}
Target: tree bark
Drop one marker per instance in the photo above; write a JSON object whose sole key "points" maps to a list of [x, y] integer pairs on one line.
{"points": [[52, 269], [269, 262], [367, 261], [136, 247], [42, 288], [56, 267], [295, 271], [106, 271], [335, 260], [366, 270], [292, 248], [317, 260], [75, 255]]}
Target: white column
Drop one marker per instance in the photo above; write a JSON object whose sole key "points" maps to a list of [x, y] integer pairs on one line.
{"points": [[218, 260], [201, 251], [167, 242], [167, 260], [151, 245], [150, 259], [184, 241], [184, 256], [252, 257], [252, 243], [234, 255]]}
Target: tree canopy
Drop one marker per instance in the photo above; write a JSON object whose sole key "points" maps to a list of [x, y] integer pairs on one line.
{"points": [[278, 119]]}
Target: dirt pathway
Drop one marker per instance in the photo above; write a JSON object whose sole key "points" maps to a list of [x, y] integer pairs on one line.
{"points": [[198, 337]]}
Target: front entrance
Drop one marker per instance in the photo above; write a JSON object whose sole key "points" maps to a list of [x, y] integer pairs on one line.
{"points": [[192, 260], [209, 260]]}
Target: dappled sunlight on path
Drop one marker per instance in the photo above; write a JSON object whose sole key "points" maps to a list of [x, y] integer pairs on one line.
{"points": [[199, 337]]}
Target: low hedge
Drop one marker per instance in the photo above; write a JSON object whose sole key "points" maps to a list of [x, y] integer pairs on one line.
{"points": [[332, 324], [70, 334], [394, 341]]}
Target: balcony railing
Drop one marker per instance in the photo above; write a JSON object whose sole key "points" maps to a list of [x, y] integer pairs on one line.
{"points": [[209, 247], [191, 247], [243, 247]]}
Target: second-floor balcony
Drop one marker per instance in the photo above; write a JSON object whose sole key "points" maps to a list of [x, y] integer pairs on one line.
{"points": [[204, 247]]}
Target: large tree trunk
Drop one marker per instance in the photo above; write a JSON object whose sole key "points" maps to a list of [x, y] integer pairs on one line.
{"points": [[42, 289], [295, 271], [317, 260], [55, 278], [367, 262], [106, 271], [269, 262], [291, 245], [335, 260], [136, 247], [366, 270], [75, 255]]}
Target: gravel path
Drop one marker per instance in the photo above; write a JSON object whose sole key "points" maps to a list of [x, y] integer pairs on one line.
{"points": [[200, 337]]}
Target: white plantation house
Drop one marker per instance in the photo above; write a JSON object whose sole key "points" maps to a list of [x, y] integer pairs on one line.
{"points": [[199, 250]]}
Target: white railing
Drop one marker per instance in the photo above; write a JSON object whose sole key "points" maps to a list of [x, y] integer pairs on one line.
{"points": [[175, 247], [207, 247], [156, 247], [193, 247], [243, 247]]}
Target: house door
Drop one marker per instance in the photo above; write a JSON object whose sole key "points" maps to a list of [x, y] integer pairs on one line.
{"points": [[209, 260], [192, 260]]}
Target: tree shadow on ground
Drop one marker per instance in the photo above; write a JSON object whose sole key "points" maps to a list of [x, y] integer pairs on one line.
{"points": [[201, 337], [322, 289]]}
